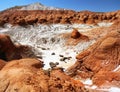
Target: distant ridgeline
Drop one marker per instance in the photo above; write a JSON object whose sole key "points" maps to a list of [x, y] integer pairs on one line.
{"points": [[38, 13]]}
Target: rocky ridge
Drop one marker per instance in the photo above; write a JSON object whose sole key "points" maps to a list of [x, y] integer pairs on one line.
{"points": [[24, 17]]}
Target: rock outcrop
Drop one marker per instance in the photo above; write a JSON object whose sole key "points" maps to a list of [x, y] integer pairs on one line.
{"points": [[74, 37], [24, 17], [75, 34], [60, 82], [8, 50], [99, 60], [23, 76], [27, 75]]}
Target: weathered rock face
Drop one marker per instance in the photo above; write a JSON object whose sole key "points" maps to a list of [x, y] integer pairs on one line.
{"points": [[23, 17], [108, 78], [27, 75], [59, 82], [8, 50], [100, 60]]}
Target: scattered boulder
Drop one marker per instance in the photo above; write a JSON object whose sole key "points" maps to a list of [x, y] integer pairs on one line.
{"points": [[53, 53], [69, 58], [52, 65], [75, 34], [65, 58], [43, 48], [61, 55]]}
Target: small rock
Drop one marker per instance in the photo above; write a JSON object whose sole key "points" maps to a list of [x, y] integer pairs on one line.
{"points": [[43, 48], [53, 40], [62, 59], [69, 58], [39, 57], [61, 55], [53, 53], [65, 58], [57, 63], [52, 65]]}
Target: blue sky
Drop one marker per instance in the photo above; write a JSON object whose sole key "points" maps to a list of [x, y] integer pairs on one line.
{"points": [[92, 5]]}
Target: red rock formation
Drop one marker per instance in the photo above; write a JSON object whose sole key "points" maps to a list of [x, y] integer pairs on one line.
{"points": [[59, 82], [75, 34], [23, 17], [27, 75], [74, 37], [107, 77], [101, 58], [8, 51], [24, 76]]}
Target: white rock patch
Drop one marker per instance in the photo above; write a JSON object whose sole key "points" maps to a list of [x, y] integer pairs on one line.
{"points": [[46, 39], [114, 89]]}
